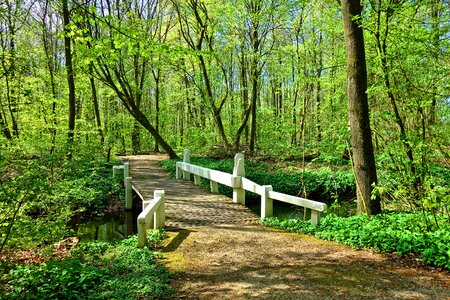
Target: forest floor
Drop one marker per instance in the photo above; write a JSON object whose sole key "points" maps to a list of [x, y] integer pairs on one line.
{"points": [[217, 250]]}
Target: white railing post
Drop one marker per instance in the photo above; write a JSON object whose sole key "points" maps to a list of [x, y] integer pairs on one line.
{"points": [[239, 172], [142, 234], [186, 159], [128, 193], [160, 213], [126, 171], [149, 219], [178, 172], [315, 217], [214, 186], [266, 202], [197, 179]]}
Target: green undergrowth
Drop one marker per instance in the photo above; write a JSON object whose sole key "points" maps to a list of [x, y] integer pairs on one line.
{"points": [[95, 270], [394, 232], [322, 184], [41, 195]]}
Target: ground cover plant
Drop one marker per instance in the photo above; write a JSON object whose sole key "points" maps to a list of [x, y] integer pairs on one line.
{"points": [[94, 270]]}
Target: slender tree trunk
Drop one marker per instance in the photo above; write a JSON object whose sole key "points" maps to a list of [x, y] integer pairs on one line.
{"points": [[363, 156], [11, 78], [135, 137], [11, 94], [381, 45], [254, 77], [96, 106], [243, 128], [70, 77], [157, 77], [216, 110], [5, 128]]}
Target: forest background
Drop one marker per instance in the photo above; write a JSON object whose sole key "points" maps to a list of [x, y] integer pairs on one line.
{"points": [[264, 77], [81, 81]]}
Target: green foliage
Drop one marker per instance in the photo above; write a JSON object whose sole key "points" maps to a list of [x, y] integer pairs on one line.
{"points": [[66, 279], [402, 233], [332, 159], [95, 270], [41, 195]]}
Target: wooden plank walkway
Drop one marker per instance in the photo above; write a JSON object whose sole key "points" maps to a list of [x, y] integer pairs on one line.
{"points": [[217, 250], [187, 205]]}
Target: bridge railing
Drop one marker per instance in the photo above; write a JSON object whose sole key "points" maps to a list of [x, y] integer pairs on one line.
{"points": [[153, 215], [240, 184]]}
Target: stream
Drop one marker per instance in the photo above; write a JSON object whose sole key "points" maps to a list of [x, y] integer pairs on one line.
{"points": [[111, 226]]}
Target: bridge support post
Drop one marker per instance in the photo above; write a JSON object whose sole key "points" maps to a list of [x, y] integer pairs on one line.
{"points": [[178, 171], [128, 193], [126, 171], [160, 214], [186, 159], [266, 202], [315, 217], [238, 173], [214, 186]]}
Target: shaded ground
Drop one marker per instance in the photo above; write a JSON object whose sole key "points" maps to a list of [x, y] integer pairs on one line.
{"points": [[217, 250]]}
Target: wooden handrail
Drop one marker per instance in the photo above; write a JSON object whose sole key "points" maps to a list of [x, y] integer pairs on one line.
{"points": [[240, 184], [153, 215]]}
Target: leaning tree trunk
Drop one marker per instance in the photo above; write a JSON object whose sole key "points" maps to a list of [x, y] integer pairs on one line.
{"points": [[363, 156]]}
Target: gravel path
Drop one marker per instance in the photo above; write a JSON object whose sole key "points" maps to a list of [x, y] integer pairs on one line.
{"points": [[217, 250]]}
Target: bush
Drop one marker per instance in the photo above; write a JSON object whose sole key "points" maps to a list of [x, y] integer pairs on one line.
{"points": [[95, 270], [41, 195]]}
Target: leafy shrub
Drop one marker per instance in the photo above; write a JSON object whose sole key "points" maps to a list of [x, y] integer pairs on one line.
{"points": [[404, 232], [41, 195], [67, 279], [96, 270]]}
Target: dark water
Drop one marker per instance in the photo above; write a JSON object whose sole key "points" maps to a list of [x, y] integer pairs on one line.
{"points": [[111, 226]]}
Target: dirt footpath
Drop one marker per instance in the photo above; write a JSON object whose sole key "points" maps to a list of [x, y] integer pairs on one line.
{"points": [[217, 250], [252, 262]]}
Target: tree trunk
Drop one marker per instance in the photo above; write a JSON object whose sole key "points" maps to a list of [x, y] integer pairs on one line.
{"points": [[70, 77], [5, 128], [361, 137], [136, 138], [157, 77], [96, 107], [142, 119], [11, 79]]}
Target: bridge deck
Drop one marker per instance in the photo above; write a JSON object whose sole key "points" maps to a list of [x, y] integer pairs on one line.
{"points": [[187, 205]]}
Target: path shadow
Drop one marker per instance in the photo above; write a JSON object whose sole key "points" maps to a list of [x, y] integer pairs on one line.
{"points": [[177, 240]]}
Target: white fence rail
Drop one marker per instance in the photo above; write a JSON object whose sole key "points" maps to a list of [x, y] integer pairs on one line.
{"points": [[240, 184], [153, 215]]}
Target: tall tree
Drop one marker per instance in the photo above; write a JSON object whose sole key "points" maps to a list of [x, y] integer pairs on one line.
{"points": [[10, 13], [119, 50], [70, 75], [358, 107]]}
